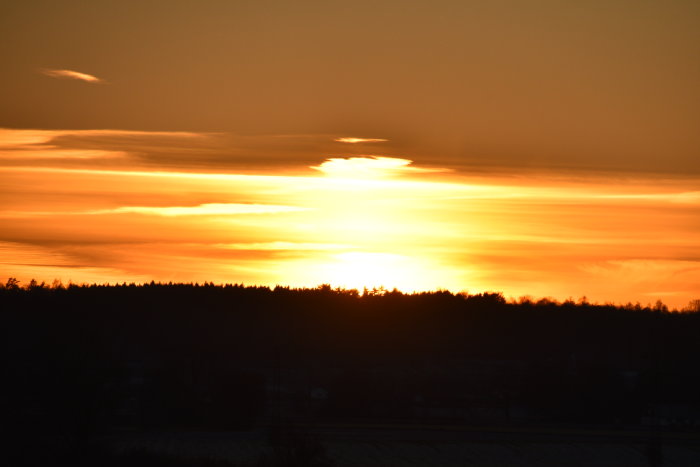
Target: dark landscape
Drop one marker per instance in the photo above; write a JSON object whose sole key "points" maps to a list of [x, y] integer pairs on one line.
{"points": [[204, 374]]}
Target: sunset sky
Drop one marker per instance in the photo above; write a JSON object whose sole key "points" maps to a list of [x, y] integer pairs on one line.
{"points": [[542, 148]]}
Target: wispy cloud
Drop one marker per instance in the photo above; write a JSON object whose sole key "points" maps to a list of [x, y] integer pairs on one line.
{"points": [[60, 154], [209, 209], [368, 167], [179, 150], [352, 140], [87, 147], [71, 74], [284, 246], [27, 261], [11, 138]]}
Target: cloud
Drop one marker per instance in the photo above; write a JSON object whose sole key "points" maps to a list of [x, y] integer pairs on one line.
{"points": [[368, 167], [26, 261], [686, 197], [352, 140], [60, 154], [85, 148], [284, 246], [209, 209], [12, 138], [191, 151], [21, 139], [71, 74]]}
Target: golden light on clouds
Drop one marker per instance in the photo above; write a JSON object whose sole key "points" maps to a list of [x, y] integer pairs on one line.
{"points": [[352, 140], [58, 154], [71, 74], [367, 167], [354, 221], [209, 209]]}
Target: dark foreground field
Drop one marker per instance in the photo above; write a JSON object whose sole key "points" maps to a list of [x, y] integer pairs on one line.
{"points": [[231, 375]]}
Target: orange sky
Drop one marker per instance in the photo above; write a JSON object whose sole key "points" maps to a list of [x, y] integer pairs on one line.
{"points": [[539, 148]]}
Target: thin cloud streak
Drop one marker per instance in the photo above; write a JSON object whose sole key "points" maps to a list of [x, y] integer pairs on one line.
{"points": [[11, 138], [58, 154], [453, 190], [208, 209], [352, 140], [71, 74], [283, 246]]}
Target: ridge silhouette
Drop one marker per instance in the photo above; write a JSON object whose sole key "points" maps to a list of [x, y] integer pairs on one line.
{"points": [[84, 360]]}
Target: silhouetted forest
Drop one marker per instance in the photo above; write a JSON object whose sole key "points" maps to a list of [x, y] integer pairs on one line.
{"points": [[81, 360]]}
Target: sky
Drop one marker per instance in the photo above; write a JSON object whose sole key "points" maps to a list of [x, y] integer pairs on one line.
{"points": [[543, 148]]}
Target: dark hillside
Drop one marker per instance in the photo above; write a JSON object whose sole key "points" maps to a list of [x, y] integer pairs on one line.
{"points": [[93, 359]]}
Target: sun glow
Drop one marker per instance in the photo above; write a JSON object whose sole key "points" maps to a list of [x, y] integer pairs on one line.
{"points": [[354, 222], [362, 167], [363, 269], [371, 270], [370, 167]]}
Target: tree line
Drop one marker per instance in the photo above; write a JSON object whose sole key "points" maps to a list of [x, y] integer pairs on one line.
{"points": [[81, 358]]}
